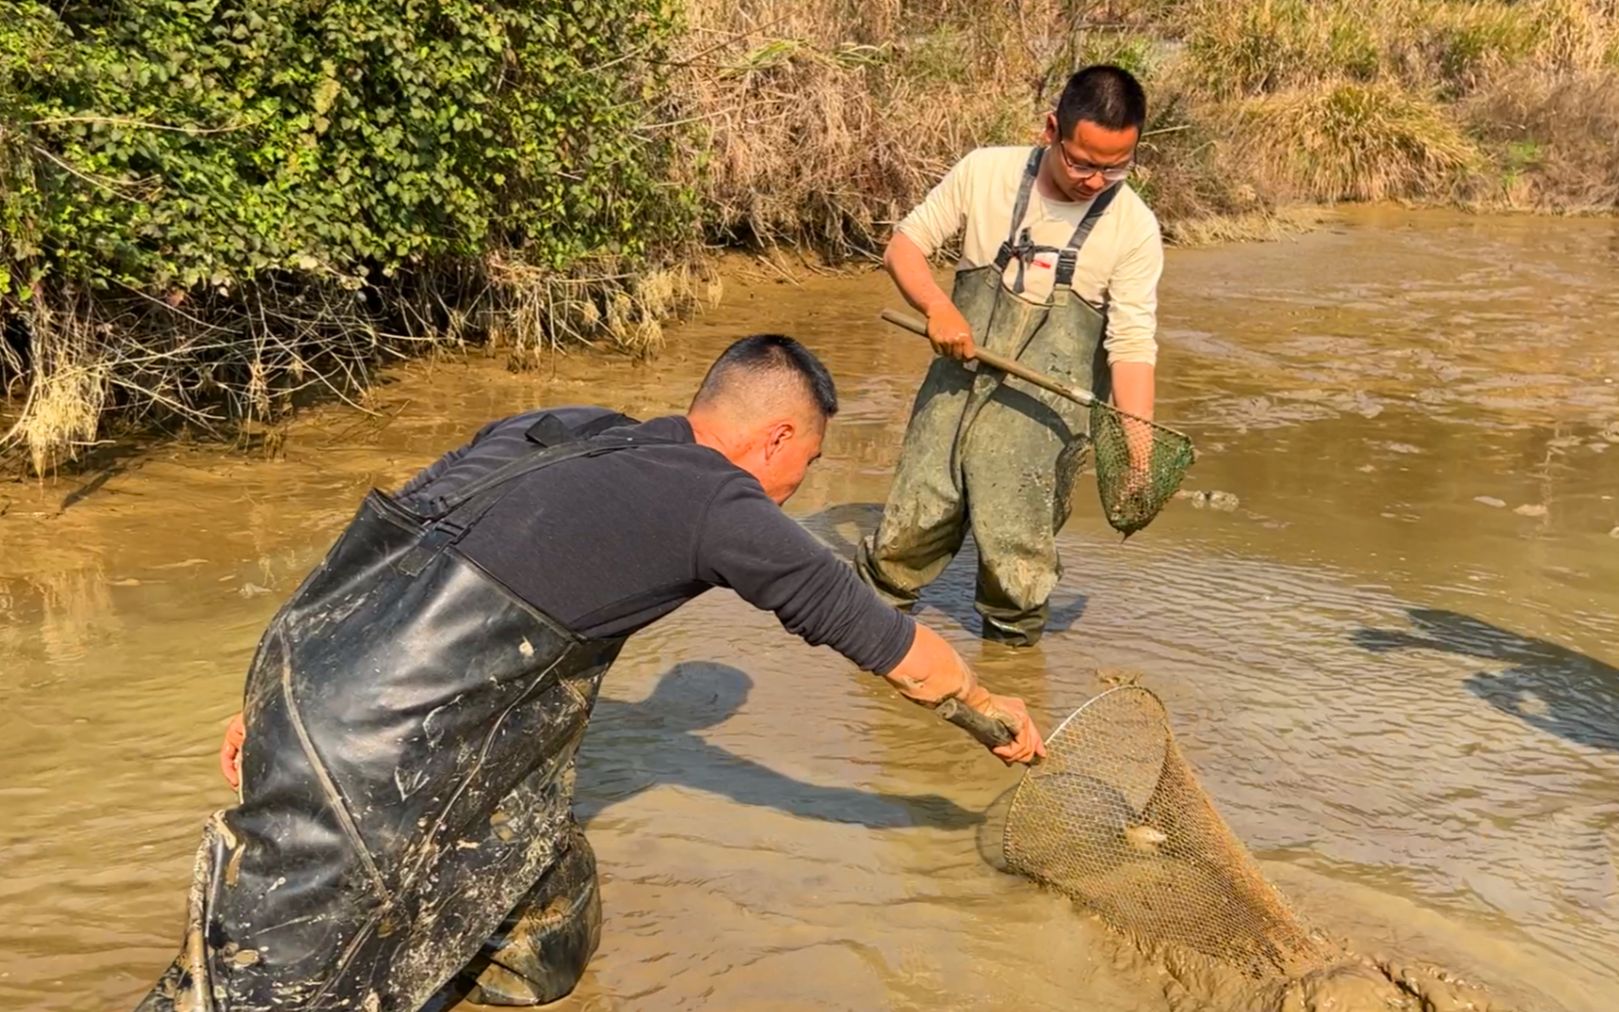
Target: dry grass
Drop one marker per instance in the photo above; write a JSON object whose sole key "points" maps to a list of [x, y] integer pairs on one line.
{"points": [[1355, 141], [823, 121], [531, 312], [1555, 141], [206, 368], [820, 122], [1250, 227], [1509, 104], [1238, 49], [826, 121], [1255, 47], [67, 390]]}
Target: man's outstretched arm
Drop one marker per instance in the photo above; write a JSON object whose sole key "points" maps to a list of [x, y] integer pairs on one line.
{"points": [[751, 546]]}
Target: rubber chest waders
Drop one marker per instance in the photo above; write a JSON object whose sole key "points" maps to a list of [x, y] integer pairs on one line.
{"points": [[407, 782], [991, 453]]}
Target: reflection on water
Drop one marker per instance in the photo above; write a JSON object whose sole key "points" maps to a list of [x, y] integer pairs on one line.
{"points": [[1392, 665]]}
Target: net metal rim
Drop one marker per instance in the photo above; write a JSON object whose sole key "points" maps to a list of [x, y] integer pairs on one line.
{"points": [[1032, 772]]}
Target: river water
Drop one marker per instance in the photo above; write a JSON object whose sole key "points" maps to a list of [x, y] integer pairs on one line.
{"points": [[1393, 664]]}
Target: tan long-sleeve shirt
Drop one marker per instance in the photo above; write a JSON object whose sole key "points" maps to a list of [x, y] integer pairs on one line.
{"points": [[1118, 267]]}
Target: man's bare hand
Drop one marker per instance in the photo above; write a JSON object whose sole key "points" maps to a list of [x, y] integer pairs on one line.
{"points": [[1132, 494], [230, 752], [1138, 444], [1011, 711], [948, 331], [931, 672]]}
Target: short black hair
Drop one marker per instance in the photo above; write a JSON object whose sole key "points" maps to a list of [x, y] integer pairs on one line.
{"points": [[1103, 94], [759, 353]]}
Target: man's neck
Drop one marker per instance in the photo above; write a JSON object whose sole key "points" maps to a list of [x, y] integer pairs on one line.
{"points": [[706, 432]]}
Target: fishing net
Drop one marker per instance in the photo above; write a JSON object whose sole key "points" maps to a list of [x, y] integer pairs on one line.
{"points": [[1115, 819], [1139, 466]]}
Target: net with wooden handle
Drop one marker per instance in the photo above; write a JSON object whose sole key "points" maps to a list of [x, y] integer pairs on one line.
{"points": [[1139, 463]]}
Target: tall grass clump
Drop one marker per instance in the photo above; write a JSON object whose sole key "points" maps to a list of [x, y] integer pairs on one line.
{"points": [[1238, 48], [1466, 43], [824, 121], [1375, 99], [1255, 47], [1357, 141], [1554, 138], [821, 121]]}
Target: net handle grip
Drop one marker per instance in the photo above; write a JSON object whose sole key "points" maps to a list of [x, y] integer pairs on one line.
{"points": [[989, 358], [990, 732]]}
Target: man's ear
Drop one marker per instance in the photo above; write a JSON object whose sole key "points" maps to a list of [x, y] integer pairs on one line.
{"points": [[778, 436], [1049, 134]]}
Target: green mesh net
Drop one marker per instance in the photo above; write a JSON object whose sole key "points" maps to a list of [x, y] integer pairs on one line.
{"points": [[1139, 466]]}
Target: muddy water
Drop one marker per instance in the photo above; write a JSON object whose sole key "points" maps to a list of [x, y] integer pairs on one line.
{"points": [[1393, 664]]}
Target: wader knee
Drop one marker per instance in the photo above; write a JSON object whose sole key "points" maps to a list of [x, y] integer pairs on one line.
{"points": [[871, 574], [1013, 594], [541, 950]]}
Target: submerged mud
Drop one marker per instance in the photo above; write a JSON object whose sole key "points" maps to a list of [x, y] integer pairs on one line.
{"points": [[1349, 984], [1404, 701]]}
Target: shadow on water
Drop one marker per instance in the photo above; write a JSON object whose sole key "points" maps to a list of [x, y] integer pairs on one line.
{"points": [[1549, 687], [632, 747], [950, 594]]}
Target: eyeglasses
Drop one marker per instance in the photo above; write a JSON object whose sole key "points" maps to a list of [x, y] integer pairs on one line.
{"points": [[1083, 170]]}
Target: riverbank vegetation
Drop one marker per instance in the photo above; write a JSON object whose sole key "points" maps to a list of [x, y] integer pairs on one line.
{"points": [[212, 208]]}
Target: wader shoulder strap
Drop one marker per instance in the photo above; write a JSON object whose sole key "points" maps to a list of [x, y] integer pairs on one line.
{"points": [[1009, 248], [1021, 247], [1069, 257], [586, 443], [463, 509]]}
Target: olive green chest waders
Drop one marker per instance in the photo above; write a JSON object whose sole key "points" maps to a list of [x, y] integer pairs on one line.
{"points": [[407, 784], [991, 452]]}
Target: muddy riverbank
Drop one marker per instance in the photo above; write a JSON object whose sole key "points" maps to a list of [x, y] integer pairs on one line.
{"points": [[1393, 663]]}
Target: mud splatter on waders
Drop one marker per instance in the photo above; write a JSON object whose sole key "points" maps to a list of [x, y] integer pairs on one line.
{"points": [[407, 782], [991, 451]]}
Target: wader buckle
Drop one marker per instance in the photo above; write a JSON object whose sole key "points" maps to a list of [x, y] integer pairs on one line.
{"points": [[441, 535]]}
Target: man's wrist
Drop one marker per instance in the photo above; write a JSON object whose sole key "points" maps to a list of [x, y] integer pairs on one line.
{"points": [[934, 303], [974, 695]]}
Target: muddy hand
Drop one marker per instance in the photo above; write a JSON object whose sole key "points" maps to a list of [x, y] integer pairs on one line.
{"points": [[230, 752], [948, 331], [1001, 724], [1028, 747]]}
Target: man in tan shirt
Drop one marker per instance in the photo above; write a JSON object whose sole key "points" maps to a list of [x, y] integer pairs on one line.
{"points": [[1059, 269]]}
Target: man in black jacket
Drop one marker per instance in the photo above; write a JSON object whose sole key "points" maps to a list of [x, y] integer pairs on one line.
{"points": [[406, 748]]}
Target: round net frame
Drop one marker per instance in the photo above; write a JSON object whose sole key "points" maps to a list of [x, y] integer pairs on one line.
{"points": [[1115, 819]]}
